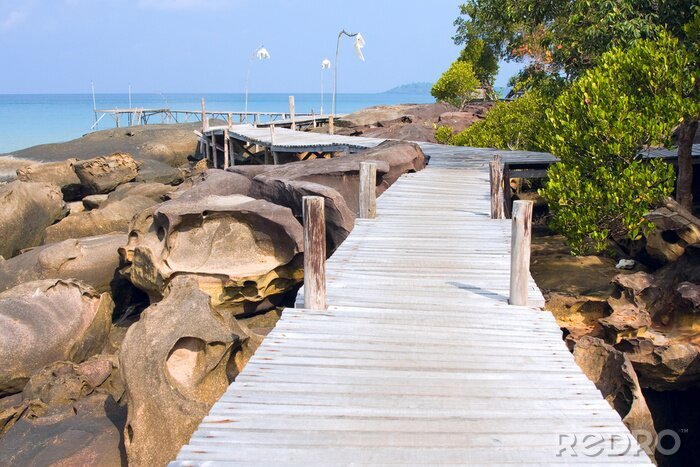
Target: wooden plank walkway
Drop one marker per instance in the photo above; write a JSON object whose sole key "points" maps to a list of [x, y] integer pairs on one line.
{"points": [[418, 359]]}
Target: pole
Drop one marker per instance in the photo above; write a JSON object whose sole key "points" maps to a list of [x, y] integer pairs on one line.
{"points": [[205, 121], [94, 102], [322, 91], [291, 112], [520, 252], [368, 190], [496, 178], [314, 253], [130, 115]]}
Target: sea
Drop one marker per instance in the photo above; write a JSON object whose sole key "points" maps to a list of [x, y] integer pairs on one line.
{"points": [[30, 119]]}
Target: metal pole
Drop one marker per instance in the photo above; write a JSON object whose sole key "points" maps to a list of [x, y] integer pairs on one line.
{"points": [[130, 114], [94, 102]]}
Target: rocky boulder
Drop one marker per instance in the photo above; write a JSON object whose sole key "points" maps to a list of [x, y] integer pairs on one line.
{"points": [[93, 260], [458, 121], [175, 362], [47, 321], [104, 174], [213, 182], [89, 433], [27, 208], [240, 250], [663, 365], [61, 174], [675, 229], [110, 217], [151, 170], [613, 374]]}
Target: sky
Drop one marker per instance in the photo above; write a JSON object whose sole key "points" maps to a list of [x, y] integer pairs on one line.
{"points": [[61, 46]]}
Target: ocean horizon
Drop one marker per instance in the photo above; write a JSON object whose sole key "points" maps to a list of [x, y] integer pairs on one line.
{"points": [[31, 119]]}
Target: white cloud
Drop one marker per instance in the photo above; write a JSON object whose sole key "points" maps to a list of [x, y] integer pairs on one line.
{"points": [[13, 19], [181, 4]]}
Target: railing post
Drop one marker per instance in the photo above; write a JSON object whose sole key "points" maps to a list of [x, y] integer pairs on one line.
{"points": [[368, 190], [330, 125], [496, 176], [520, 252], [214, 155], [314, 253], [229, 119], [291, 112], [226, 150]]}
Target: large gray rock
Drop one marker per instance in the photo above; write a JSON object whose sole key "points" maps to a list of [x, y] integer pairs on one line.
{"points": [[26, 209], [153, 190], [110, 217], [93, 260], [45, 321], [213, 182], [89, 433], [152, 170], [59, 173], [176, 362], [240, 250], [104, 174]]}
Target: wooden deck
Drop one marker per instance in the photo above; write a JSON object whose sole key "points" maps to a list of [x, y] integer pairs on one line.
{"points": [[419, 359]]}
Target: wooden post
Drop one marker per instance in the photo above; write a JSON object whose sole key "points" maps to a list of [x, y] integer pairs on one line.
{"points": [[213, 151], [520, 252], [330, 125], [229, 119], [314, 253], [291, 112], [205, 121], [496, 176], [117, 117], [368, 190], [272, 134], [226, 150], [232, 153]]}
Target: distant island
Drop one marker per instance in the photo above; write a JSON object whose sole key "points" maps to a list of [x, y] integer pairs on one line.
{"points": [[411, 88]]}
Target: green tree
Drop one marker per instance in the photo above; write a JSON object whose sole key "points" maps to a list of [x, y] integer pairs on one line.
{"points": [[484, 62], [456, 85], [632, 99]]}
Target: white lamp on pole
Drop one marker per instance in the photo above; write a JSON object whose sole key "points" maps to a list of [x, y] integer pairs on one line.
{"points": [[260, 53], [325, 65], [359, 44]]}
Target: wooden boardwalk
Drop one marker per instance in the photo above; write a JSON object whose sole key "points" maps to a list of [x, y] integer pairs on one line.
{"points": [[418, 359]]}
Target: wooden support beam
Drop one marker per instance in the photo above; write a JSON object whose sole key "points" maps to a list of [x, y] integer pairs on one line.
{"points": [[507, 198], [314, 253], [229, 119], [226, 149], [213, 151], [368, 190], [291, 112], [330, 125], [496, 177], [520, 252]]}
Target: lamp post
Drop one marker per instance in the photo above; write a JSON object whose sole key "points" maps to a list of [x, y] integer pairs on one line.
{"points": [[260, 53], [325, 64], [359, 44]]}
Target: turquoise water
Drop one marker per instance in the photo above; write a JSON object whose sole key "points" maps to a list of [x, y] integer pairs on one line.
{"points": [[31, 119]]}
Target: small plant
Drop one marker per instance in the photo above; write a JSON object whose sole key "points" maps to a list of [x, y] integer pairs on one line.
{"points": [[456, 85], [444, 134]]}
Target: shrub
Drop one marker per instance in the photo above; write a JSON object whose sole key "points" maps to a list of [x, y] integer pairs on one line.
{"points": [[509, 125], [456, 85], [633, 98]]}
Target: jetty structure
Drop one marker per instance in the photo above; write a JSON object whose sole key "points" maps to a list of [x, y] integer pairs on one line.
{"points": [[421, 340]]}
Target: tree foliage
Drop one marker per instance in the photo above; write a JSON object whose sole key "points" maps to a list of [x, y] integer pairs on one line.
{"points": [[508, 125], [456, 85], [632, 99]]}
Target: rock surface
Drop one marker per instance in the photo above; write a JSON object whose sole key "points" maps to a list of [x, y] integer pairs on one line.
{"points": [[675, 229], [59, 173], [175, 362], [47, 321], [103, 174], [213, 182], [93, 260], [87, 434], [110, 217], [240, 250], [151, 170], [614, 376], [26, 209], [170, 143]]}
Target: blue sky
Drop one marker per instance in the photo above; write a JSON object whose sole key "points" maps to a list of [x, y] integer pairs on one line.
{"points": [[59, 46]]}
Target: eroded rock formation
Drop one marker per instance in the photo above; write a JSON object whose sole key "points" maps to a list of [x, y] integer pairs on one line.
{"points": [[240, 250], [26, 209], [176, 362], [104, 174], [60, 173], [93, 260], [46, 321]]}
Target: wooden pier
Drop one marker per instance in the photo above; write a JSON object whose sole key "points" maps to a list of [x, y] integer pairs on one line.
{"points": [[418, 358]]}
